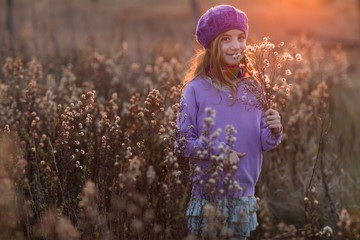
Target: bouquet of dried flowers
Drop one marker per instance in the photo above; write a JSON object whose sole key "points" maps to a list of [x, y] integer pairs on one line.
{"points": [[266, 68]]}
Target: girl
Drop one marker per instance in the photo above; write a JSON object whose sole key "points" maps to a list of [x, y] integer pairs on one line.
{"points": [[212, 101]]}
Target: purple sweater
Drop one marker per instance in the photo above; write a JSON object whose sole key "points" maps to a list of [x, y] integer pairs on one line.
{"points": [[252, 136]]}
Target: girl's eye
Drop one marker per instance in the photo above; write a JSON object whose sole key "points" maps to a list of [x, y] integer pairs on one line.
{"points": [[225, 39]]}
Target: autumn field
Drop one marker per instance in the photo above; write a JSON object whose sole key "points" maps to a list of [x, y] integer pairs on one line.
{"points": [[89, 94]]}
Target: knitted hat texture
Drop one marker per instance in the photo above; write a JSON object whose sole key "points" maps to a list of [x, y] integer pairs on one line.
{"points": [[217, 20]]}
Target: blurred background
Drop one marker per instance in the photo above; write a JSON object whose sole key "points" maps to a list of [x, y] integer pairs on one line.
{"points": [[125, 48], [53, 27]]}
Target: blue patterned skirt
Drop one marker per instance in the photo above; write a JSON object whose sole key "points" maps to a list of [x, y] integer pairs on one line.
{"points": [[214, 217]]}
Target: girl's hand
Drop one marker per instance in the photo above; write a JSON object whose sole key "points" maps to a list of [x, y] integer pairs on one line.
{"points": [[235, 157], [273, 120]]}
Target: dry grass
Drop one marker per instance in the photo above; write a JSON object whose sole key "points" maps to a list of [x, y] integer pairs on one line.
{"points": [[79, 164]]}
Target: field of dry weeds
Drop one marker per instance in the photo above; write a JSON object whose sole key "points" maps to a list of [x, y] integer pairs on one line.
{"points": [[88, 104]]}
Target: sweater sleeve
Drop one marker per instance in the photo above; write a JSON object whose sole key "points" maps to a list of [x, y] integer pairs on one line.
{"points": [[187, 122], [268, 139]]}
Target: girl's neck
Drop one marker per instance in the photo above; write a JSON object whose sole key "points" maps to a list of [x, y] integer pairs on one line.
{"points": [[232, 72]]}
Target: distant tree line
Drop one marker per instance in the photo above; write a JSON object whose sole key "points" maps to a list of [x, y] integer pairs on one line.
{"points": [[194, 6]]}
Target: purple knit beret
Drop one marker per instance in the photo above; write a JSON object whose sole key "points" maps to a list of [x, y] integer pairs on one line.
{"points": [[217, 20]]}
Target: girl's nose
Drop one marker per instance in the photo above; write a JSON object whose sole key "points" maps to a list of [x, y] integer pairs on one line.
{"points": [[235, 45]]}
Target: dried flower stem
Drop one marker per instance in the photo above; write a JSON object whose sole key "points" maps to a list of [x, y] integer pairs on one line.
{"points": [[56, 168]]}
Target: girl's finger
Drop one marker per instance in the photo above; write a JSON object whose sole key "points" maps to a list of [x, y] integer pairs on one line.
{"points": [[276, 128], [272, 122], [271, 112], [240, 154], [273, 116]]}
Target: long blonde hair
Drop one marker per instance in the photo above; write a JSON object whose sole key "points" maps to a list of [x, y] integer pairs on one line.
{"points": [[209, 58]]}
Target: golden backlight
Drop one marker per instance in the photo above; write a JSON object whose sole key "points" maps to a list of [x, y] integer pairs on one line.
{"points": [[324, 19]]}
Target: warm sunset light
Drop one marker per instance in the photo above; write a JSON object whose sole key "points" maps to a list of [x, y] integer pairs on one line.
{"points": [[179, 119], [327, 20]]}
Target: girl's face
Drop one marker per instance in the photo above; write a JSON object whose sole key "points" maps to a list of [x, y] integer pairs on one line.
{"points": [[232, 42]]}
